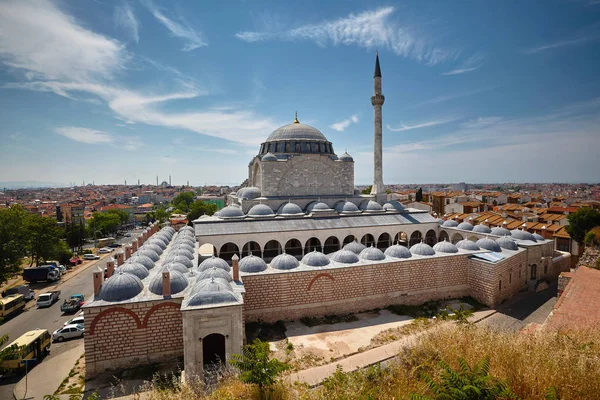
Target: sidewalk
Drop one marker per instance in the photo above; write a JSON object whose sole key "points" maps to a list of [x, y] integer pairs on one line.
{"points": [[41, 381]]}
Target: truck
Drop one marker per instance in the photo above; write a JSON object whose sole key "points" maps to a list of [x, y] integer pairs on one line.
{"points": [[72, 304], [23, 290], [47, 273], [48, 298]]}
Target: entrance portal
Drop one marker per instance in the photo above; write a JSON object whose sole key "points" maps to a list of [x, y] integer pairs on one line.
{"points": [[213, 351]]}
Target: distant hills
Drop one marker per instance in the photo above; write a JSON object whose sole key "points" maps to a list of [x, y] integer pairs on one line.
{"points": [[30, 184]]}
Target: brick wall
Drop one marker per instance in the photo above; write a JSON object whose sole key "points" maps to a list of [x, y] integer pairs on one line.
{"points": [[132, 334]]}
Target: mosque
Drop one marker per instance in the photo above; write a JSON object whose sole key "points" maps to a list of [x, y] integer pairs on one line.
{"points": [[299, 241]]}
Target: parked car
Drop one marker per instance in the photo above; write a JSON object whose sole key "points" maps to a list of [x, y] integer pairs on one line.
{"points": [[68, 332], [91, 257], [114, 245], [72, 304], [23, 290], [75, 321], [128, 234], [104, 250], [48, 298], [75, 260], [44, 273], [62, 269]]}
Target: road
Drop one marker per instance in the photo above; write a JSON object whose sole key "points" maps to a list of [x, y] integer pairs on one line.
{"points": [[50, 318]]}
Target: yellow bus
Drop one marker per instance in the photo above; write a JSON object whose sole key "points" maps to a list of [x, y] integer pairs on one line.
{"points": [[33, 344], [10, 305]]}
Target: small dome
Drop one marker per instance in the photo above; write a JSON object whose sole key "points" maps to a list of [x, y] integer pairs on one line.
{"points": [[499, 231], [134, 268], [178, 283], [481, 229], [182, 259], [248, 193], [214, 262], [450, 223], [121, 286], [289, 209], [465, 226], [269, 157], [538, 237], [231, 211], [346, 207], [344, 256], [393, 205], [296, 131], [355, 247], [209, 284], [190, 241], [182, 250], [445, 247], [506, 243], [142, 259], [372, 254], [345, 157], [148, 252], [175, 266], [317, 206], [154, 247], [215, 273], [422, 249], [260, 210], [370, 206], [211, 294], [315, 259], [398, 251], [159, 240], [184, 229], [489, 244], [467, 245], [252, 264], [440, 221], [284, 261], [522, 235]]}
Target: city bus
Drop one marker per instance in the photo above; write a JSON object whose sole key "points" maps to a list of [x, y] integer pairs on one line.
{"points": [[30, 345], [11, 305]]}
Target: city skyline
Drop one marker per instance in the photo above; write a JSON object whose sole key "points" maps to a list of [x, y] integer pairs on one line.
{"points": [[122, 91]]}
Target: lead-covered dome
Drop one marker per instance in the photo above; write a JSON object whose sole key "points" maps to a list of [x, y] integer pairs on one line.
{"points": [[121, 286], [148, 252], [344, 256], [346, 207], [231, 211], [465, 226], [467, 245], [296, 138], [212, 293], [506, 243], [260, 210], [284, 261], [346, 157], [247, 193], [393, 205], [370, 206], [290, 209], [142, 259], [450, 223], [398, 251], [538, 237], [372, 254], [481, 229], [214, 262], [500, 231], [522, 235], [269, 157], [489, 244], [445, 247], [175, 266], [317, 206], [422, 249], [134, 268], [178, 282], [315, 259], [252, 264], [215, 273], [354, 247]]}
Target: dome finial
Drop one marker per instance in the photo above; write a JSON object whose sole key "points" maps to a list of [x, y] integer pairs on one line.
{"points": [[296, 119]]}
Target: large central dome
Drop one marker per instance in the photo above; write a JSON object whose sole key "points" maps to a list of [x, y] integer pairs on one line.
{"points": [[296, 138]]}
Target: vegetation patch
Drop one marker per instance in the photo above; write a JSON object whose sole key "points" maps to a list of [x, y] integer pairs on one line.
{"points": [[74, 383], [265, 331], [328, 320]]}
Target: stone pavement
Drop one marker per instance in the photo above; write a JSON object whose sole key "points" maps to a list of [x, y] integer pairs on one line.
{"points": [[46, 377]]}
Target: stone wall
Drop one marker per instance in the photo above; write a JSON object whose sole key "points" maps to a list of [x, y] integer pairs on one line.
{"points": [[125, 335]]}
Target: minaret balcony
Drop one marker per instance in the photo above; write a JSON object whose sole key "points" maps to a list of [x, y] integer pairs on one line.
{"points": [[377, 100]]}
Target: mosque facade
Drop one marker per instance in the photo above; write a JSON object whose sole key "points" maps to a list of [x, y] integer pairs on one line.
{"points": [[299, 241]]}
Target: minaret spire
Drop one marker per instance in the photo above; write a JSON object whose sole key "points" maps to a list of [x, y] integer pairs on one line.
{"points": [[377, 100]]}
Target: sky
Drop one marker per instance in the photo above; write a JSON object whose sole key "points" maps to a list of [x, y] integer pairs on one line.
{"points": [[476, 91]]}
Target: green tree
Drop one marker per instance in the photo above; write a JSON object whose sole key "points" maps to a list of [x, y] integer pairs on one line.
{"points": [[44, 238], [161, 214], [199, 208], [13, 240], [75, 234], [106, 223], [256, 368], [419, 195], [123, 215], [466, 383], [367, 190], [183, 201], [581, 222]]}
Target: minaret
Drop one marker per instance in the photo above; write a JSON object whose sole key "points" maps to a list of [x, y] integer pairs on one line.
{"points": [[377, 100]]}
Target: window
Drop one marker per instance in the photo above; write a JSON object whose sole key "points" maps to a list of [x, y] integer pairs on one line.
{"points": [[288, 148], [500, 285], [545, 269], [510, 277], [533, 272], [298, 147]]}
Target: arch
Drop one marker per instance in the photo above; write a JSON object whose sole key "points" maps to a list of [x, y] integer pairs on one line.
{"points": [[213, 351], [348, 239], [322, 275], [368, 240], [228, 250], [443, 236], [331, 245], [384, 241], [272, 249], [415, 238], [251, 248], [533, 272], [473, 238], [312, 244], [294, 247], [401, 238], [102, 314], [156, 307], [430, 237], [457, 237], [256, 176], [207, 249]]}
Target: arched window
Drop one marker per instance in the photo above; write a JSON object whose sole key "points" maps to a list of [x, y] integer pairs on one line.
{"points": [[272, 249], [533, 272], [288, 148], [348, 239], [294, 247], [280, 147], [314, 148], [251, 248], [457, 237], [368, 240], [430, 237], [415, 238], [384, 241], [228, 250], [262, 148], [331, 245], [443, 236], [297, 147], [322, 148], [401, 238], [312, 244]]}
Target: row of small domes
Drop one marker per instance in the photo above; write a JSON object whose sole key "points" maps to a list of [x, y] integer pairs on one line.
{"points": [[272, 157], [292, 209], [498, 231]]}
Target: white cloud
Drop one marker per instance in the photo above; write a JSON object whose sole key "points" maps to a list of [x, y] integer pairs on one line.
{"points": [[404, 127], [342, 125], [37, 37], [181, 29], [125, 19], [471, 64], [451, 96], [85, 135], [369, 29], [585, 35]]}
